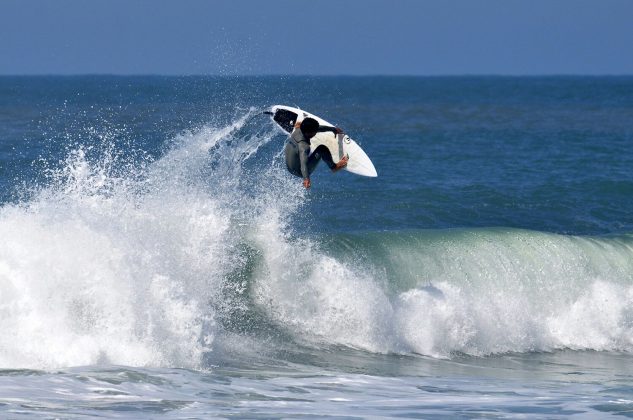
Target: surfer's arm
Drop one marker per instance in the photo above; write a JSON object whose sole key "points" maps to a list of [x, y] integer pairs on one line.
{"points": [[324, 128]]}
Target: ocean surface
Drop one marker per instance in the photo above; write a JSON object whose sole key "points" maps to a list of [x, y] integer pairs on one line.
{"points": [[157, 259]]}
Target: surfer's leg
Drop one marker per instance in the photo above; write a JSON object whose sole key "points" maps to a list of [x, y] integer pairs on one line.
{"points": [[293, 163], [313, 161], [324, 153]]}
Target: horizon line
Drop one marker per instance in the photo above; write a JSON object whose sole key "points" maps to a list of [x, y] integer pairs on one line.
{"points": [[508, 75]]}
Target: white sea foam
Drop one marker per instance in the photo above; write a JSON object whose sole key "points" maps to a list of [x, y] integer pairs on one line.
{"points": [[108, 267]]}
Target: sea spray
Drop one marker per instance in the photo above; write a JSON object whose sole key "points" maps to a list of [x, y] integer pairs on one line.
{"points": [[107, 266]]}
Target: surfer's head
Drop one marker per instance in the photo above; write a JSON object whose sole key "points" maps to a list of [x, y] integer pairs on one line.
{"points": [[309, 127]]}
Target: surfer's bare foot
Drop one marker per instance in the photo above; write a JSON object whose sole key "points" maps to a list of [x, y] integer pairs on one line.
{"points": [[307, 183], [341, 163]]}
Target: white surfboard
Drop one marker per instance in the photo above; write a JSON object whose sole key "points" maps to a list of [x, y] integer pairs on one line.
{"points": [[338, 144]]}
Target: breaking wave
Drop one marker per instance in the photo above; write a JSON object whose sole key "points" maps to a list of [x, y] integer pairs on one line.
{"points": [[155, 263]]}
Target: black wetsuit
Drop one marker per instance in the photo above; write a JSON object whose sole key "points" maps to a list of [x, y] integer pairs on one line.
{"points": [[298, 158]]}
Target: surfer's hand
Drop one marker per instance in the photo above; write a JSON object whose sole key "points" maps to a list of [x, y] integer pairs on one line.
{"points": [[307, 183], [341, 163], [338, 130]]}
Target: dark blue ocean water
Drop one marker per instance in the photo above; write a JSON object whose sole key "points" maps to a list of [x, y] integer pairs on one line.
{"points": [[157, 258], [548, 154]]}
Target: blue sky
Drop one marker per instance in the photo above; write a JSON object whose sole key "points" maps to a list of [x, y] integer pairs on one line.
{"points": [[318, 37]]}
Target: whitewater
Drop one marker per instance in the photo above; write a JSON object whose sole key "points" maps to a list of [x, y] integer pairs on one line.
{"points": [[199, 281]]}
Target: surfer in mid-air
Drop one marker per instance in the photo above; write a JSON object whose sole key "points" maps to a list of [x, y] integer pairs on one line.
{"points": [[298, 158]]}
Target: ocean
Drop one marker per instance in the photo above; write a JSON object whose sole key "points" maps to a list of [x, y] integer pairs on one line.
{"points": [[158, 260]]}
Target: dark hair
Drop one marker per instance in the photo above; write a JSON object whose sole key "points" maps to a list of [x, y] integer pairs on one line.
{"points": [[309, 125]]}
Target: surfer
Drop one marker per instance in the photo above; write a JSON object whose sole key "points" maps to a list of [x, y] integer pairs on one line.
{"points": [[298, 158]]}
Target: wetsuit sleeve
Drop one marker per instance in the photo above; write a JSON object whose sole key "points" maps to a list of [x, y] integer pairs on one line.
{"points": [[323, 129], [304, 153]]}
